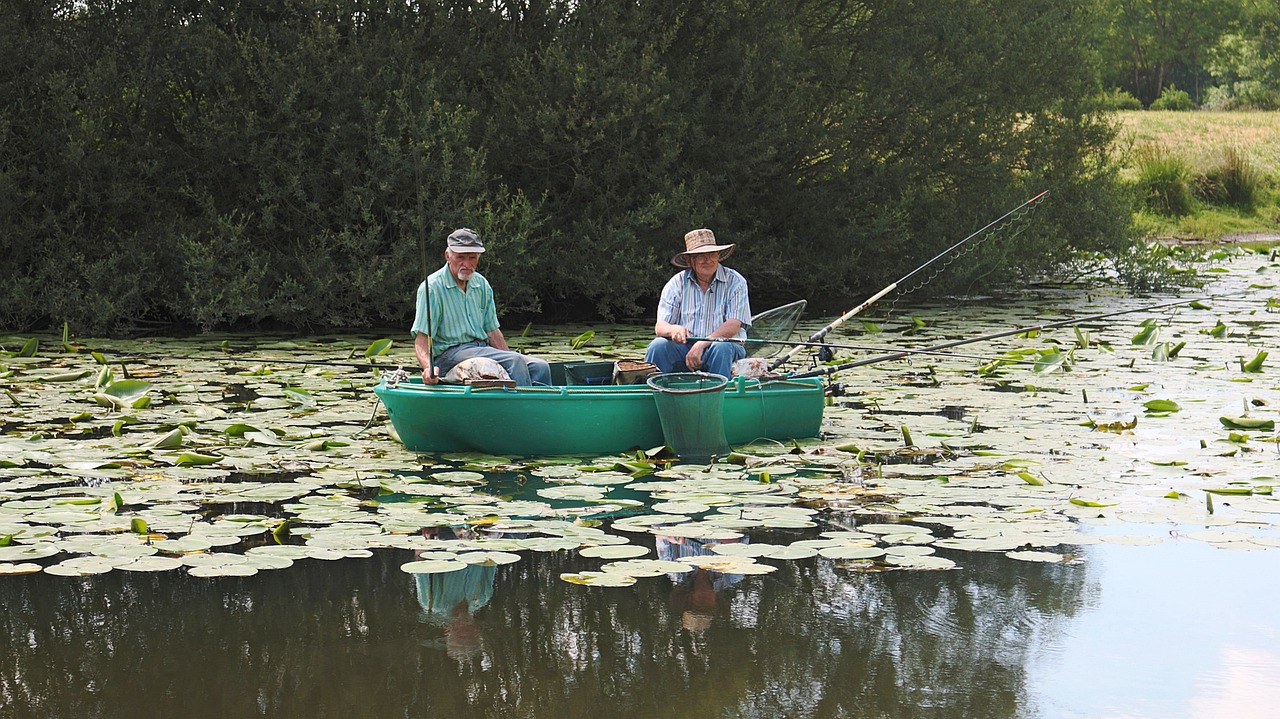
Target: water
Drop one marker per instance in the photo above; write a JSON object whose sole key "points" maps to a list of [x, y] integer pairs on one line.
{"points": [[1186, 628], [1178, 630]]}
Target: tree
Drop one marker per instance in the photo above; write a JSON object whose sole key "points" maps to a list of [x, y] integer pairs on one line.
{"points": [[299, 162], [1246, 63], [1155, 43]]}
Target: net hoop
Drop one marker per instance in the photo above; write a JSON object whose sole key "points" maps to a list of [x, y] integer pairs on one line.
{"points": [[703, 382]]}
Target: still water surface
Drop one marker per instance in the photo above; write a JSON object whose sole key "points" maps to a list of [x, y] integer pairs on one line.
{"points": [[1178, 630], [1181, 629]]}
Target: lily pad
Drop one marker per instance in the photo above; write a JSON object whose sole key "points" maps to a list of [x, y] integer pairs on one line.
{"points": [[598, 579], [617, 551], [433, 566], [150, 564], [849, 552]]}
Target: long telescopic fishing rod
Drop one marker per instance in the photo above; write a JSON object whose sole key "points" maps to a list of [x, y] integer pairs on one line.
{"points": [[900, 354], [426, 267], [867, 348], [894, 285], [123, 357]]}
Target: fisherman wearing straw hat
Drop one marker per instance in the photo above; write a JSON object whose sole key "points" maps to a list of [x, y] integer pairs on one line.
{"points": [[706, 299]]}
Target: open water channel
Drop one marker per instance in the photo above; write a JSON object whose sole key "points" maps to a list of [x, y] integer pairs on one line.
{"points": [[1084, 529]]}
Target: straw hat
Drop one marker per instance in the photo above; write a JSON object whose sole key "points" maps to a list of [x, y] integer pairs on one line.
{"points": [[698, 242]]}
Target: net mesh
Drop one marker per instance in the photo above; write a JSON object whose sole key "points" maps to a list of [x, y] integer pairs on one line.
{"points": [[691, 408], [775, 326]]}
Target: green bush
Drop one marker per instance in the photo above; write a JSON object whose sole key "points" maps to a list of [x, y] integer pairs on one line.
{"points": [[1153, 266], [1245, 95], [1254, 95], [297, 163], [1164, 181], [1232, 181], [1117, 99], [1173, 99]]}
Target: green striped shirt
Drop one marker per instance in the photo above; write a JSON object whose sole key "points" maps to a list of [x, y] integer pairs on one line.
{"points": [[457, 317]]}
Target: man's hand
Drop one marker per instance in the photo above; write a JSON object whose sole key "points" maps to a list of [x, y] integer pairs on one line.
{"points": [[429, 377], [693, 360], [679, 334]]}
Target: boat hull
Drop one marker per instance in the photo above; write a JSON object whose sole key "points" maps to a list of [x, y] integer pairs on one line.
{"points": [[581, 419]]}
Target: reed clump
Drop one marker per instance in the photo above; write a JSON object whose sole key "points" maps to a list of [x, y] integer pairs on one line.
{"points": [[1164, 181], [1231, 180]]}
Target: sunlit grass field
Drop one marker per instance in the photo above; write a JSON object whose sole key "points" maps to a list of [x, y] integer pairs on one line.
{"points": [[1200, 136], [1201, 140]]}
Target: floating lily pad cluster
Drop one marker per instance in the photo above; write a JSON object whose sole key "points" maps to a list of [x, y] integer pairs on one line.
{"points": [[182, 455]]}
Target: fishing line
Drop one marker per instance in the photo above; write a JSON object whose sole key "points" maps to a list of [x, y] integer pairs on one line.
{"points": [[1004, 223], [999, 222]]}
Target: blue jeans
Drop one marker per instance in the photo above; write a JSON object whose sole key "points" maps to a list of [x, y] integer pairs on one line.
{"points": [[718, 359], [525, 370]]}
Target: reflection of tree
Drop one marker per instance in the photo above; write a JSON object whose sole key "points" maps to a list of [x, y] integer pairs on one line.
{"points": [[346, 639]]}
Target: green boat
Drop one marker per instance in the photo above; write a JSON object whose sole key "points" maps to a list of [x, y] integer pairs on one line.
{"points": [[584, 415]]}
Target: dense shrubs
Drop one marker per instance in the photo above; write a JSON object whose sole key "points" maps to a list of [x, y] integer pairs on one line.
{"points": [[1173, 99], [298, 162], [1243, 95], [1117, 99]]}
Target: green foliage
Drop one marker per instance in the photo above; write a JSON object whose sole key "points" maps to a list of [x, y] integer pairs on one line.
{"points": [[299, 162], [1118, 99], [1232, 181], [1243, 95], [1146, 46], [1152, 266], [1171, 98], [1164, 181], [1245, 64]]}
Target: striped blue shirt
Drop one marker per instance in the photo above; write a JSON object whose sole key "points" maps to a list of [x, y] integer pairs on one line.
{"points": [[457, 317], [684, 303]]}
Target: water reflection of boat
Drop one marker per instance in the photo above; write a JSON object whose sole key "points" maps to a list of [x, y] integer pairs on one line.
{"points": [[582, 415]]}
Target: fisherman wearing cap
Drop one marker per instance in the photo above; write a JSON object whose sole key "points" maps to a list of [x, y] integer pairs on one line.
{"points": [[461, 321], [707, 299]]}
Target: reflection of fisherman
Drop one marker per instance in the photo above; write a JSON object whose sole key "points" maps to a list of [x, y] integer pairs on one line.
{"points": [[451, 598], [696, 594]]}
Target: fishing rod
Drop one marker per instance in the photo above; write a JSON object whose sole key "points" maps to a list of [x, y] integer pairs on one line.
{"points": [[867, 348], [426, 267], [123, 357], [900, 354], [894, 285]]}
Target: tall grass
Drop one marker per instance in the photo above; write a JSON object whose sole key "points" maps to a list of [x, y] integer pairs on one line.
{"points": [[1164, 181], [1235, 171], [1233, 180]]}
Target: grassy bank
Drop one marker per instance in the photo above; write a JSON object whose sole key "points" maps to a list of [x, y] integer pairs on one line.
{"points": [[1179, 159]]}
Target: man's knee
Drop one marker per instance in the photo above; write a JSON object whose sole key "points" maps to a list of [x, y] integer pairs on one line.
{"points": [[539, 370], [664, 354], [656, 347]]}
